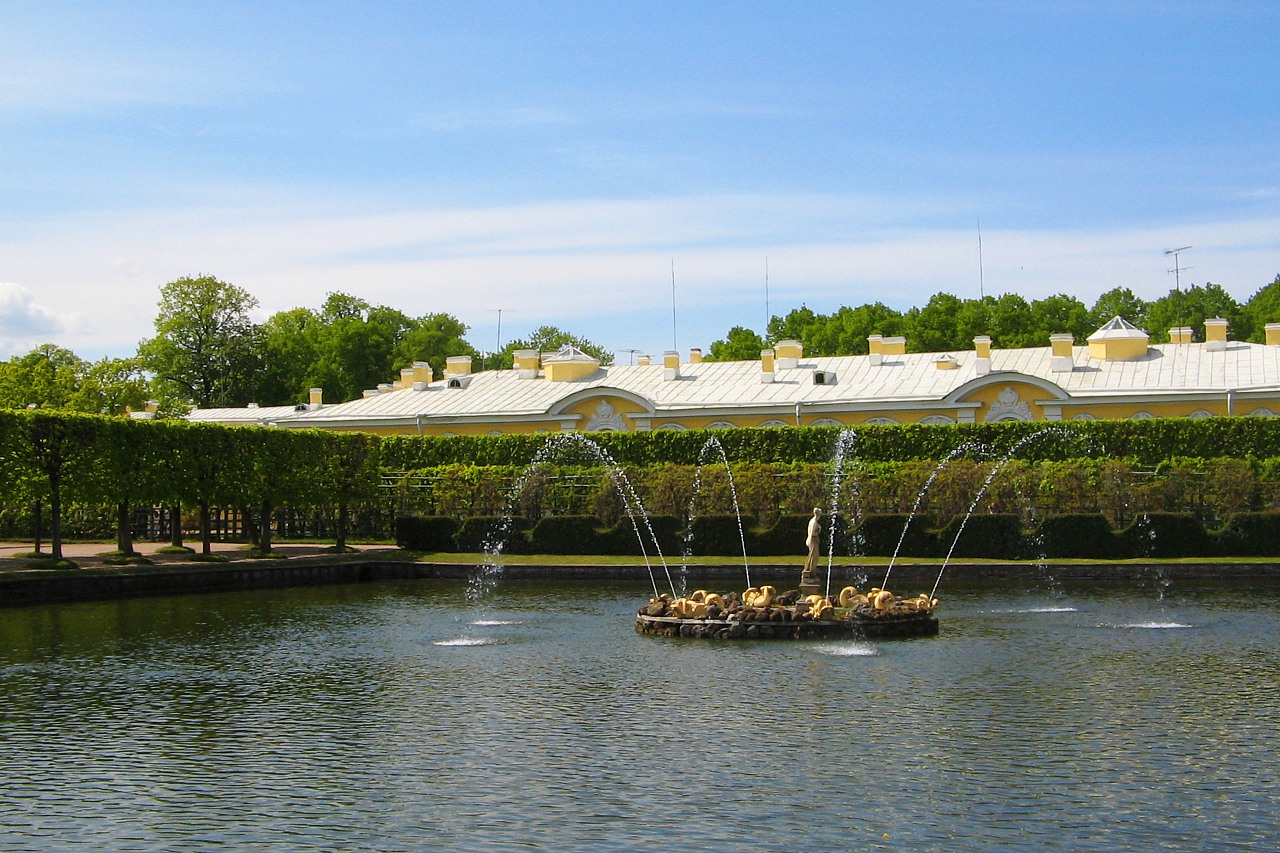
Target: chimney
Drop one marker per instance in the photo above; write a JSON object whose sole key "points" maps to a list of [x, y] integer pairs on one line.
{"points": [[153, 406], [526, 363], [422, 373], [643, 360], [766, 365], [1062, 360], [406, 377], [370, 392], [457, 365], [945, 362], [1215, 334], [1273, 334], [670, 365], [1180, 335], [315, 399], [695, 356], [875, 348], [788, 354], [982, 353]]}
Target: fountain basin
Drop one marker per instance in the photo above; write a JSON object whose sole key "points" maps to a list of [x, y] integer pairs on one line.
{"points": [[847, 625]]}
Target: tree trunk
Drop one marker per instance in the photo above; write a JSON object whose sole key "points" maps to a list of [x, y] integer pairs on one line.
{"points": [[206, 535], [250, 527], [124, 535], [55, 520], [175, 525], [39, 523], [264, 528], [344, 519]]}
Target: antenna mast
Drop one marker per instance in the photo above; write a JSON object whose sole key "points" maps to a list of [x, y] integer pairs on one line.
{"points": [[981, 283], [766, 295], [674, 344], [1177, 271]]}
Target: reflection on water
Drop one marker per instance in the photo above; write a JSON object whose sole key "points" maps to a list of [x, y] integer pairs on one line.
{"points": [[400, 716]]}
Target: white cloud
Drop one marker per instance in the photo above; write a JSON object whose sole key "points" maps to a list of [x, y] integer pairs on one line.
{"points": [[601, 268], [24, 324]]}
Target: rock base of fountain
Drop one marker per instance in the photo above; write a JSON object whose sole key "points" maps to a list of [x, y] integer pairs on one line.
{"points": [[765, 615]]}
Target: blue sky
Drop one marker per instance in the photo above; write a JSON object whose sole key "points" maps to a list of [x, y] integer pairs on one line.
{"points": [[557, 160]]}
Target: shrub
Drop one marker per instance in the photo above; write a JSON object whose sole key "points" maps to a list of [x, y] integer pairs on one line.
{"points": [[621, 539], [565, 534], [785, 537], [1165, 535], [718, 535], [1085, 536], [880, 532], [481, 533], [995, 536], [1250, 534], [426, 533]]}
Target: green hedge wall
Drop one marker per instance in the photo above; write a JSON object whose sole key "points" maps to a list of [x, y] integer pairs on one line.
{"points": [[1146, 442], [990, 536]]}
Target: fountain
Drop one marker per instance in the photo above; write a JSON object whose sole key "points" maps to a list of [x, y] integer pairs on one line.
{"points": [[800, 614]]}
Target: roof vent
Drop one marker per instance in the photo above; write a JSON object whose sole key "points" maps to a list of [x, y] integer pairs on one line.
{"points": [[824, 377], [459, 381]]}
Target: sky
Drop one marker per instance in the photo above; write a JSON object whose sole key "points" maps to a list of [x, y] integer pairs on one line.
{"points": [[645, 175]]}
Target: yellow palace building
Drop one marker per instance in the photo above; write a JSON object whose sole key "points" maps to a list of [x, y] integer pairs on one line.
{"points": [[1118, 374]]}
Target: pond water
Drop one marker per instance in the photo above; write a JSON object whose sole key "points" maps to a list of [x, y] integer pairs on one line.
{"points": [[404, 716]]}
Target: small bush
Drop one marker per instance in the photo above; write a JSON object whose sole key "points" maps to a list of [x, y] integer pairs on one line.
{"points": [[1250, 534], [565, 534], [426, 533], [621, 539], [1167, 535], [718, 535], [481, 533], [1086, 536], [993, 537], [879, 534], [786, 537]]}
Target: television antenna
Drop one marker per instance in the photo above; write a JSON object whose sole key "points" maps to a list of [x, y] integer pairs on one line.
{"points": [[1177, 271], [633, 353]]}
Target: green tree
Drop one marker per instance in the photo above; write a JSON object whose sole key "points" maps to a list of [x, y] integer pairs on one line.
{"points": [[741, 344], [433, 338], [1118, 302], [846, 331], [289, 343], [1058, 314], [1191, 307], [49, 450], [48, 377], [112, 386], [203, 350], [1263, 308], [552, 339]]}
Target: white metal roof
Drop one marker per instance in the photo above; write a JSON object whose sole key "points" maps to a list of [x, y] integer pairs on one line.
{"points": [[720, 387]]}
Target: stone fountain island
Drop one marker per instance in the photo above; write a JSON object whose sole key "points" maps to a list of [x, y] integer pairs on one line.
{"points": [[800, 614]]}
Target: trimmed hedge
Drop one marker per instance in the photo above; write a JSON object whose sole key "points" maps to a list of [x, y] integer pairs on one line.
{"points": [[1250, 534], [880, 533], [565, 534], [1167, 535], [1146, 442], [719, 534], [1086, 536], [428, 533], [785, 538], [996, 537]]}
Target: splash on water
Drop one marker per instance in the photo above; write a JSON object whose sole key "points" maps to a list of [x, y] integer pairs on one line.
{"points": [[463, 642], [847, 650]]}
